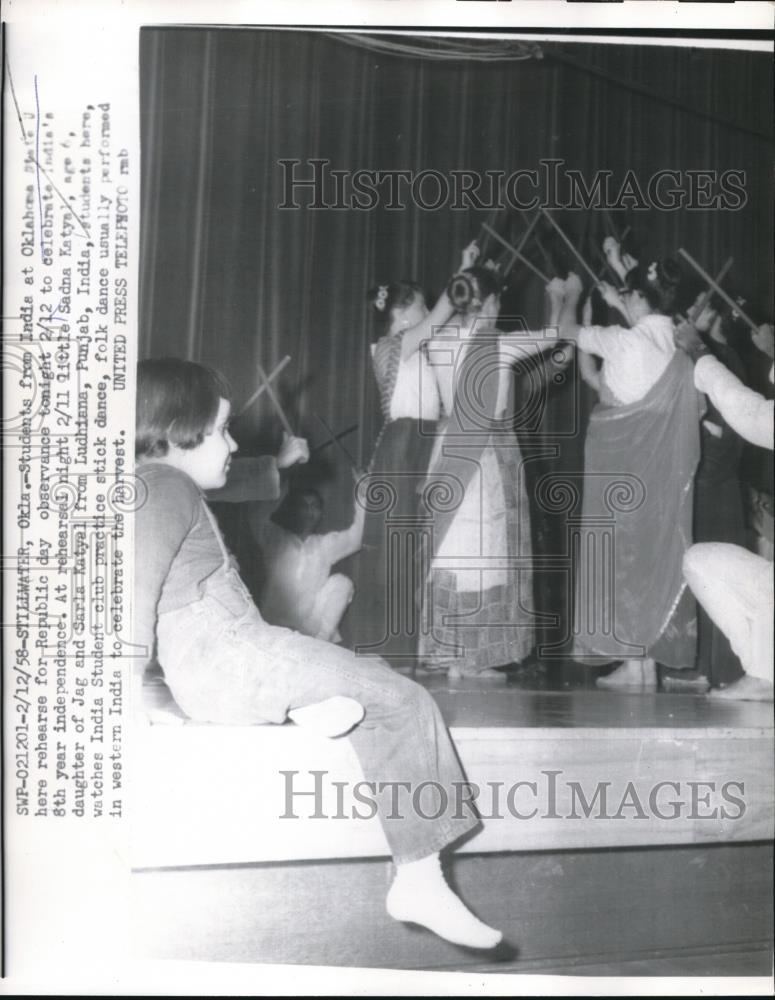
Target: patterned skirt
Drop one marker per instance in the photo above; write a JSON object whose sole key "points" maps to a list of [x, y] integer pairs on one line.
{"points": [[478, 595]]}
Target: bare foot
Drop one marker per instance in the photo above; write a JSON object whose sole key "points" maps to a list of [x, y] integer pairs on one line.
{"points": [[746, 689], [632, 675]]}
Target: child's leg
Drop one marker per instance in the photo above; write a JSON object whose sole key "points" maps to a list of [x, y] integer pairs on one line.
{"points": [[407, 757], [261, 673]]}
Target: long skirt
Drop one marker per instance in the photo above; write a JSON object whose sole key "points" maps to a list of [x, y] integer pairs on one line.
{"points": [[384, 617], [639, 464], [478, 602]]}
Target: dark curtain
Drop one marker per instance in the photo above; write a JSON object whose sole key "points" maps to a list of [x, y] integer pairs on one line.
{"points": [[230, 279]]}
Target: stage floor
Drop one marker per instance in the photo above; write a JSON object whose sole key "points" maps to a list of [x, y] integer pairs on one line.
{"points": [[471, 702], [219, 876]]}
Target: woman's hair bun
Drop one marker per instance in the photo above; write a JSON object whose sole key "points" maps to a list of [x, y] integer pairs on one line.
{"points": [[669, 272], [469, 290], [462, 293]]}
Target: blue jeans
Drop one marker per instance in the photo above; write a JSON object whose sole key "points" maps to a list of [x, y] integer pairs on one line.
{"points": [[225, 664]]}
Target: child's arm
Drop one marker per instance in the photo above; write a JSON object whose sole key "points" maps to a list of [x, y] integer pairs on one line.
{"points": [[161, 524], [258, 479]]}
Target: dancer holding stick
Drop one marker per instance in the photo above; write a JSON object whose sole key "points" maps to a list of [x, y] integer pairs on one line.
{"points": [[648, 440], [384, 616]]}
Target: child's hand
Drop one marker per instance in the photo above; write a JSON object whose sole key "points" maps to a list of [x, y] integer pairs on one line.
{"points": [[764, 340], [293, 451], [586, 312], [611, 247], [470, 255]]}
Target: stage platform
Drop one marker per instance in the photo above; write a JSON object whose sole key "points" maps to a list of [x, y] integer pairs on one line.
{"points": [[637, 828]]}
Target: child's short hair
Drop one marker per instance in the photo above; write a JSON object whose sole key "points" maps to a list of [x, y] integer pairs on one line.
{"points": [[177, 403]]}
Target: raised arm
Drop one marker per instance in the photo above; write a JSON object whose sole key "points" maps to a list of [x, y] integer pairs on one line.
{"points": [[568, 324], [440, 314], [341, 544], [748, 414]]}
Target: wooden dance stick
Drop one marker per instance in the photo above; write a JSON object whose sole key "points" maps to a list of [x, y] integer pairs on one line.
{"points": [[696, 311], [526, 235], [516, 255], [718, 289], [571, 247], [529, 264], [335, 438], [272, 375], [275, 401], [610, 223], [547, 257]]}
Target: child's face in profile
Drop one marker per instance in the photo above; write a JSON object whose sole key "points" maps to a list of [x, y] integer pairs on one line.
{"points": [[208, 463]]}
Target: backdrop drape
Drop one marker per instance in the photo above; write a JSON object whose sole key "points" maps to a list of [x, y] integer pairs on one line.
{"points": [[230, 279]]}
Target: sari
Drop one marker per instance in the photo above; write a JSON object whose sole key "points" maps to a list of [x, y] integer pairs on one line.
{"points": [[477, 600], [640, 459]]}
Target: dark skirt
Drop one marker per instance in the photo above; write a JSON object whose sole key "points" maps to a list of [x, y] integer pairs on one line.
{"points": [[384, 617], [718, 517]]}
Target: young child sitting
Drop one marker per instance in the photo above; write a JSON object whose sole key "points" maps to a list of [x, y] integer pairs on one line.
{"points": [[225, 664]]}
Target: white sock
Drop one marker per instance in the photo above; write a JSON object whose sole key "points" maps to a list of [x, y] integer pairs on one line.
{"points": [[420, 895], [332, 717]]}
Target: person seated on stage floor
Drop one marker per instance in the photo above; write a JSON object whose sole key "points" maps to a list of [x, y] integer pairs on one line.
{"points": [[300, 591], [643, 436], [224, 664], [733, 585]]}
